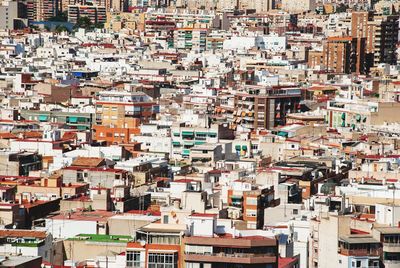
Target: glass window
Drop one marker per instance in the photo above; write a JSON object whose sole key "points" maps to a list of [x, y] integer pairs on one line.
{"points": [[163, 260], [133, 259]]}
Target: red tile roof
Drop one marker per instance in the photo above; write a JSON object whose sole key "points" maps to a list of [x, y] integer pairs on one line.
{"points": [[23, 233]]}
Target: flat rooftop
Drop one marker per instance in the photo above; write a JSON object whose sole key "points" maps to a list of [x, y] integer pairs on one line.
{"points": [[102, 238]]}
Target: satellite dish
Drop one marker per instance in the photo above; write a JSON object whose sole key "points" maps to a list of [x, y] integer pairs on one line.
{"points": [[14, 226], [142, 243]]}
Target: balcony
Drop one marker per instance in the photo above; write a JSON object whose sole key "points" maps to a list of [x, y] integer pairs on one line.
{"points": [[391, 264], [240, 258], [359, 252], [391, 247]]}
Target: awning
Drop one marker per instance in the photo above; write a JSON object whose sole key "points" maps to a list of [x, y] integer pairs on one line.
{"points": [[189, 143], [343, 116], [73, 119], [43, 118], [81, 119], [201, 133], [237, 147], [199, 142], [176, 143], [187, 133], [244, 147], [282, 134]]}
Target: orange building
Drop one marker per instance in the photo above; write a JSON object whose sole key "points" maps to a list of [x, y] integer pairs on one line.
{"points": [[157, 245], [120, 114], [252, 203], [340, 55]]}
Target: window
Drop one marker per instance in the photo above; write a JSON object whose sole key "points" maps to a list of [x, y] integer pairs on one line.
{"points": [[133, 259], [162, 260], [166, 219], [251, 201], [251, 213], [295, 211]]}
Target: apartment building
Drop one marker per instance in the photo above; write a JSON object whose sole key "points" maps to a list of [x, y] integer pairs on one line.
{"points": [[119, 114], [340, 55], [96, 14], [204, 249], [43, 10], [261, 107], [190, 38]]}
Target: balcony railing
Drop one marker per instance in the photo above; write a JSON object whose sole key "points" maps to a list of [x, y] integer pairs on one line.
{"points": [[244, 258], [359, 252]]}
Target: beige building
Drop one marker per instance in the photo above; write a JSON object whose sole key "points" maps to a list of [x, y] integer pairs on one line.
{"points": [[298, 6]]}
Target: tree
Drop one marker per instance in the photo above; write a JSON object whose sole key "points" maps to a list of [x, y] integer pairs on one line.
{"points": [[63, 16], [99, 25], [341, 8], [83, 22], [61, 28]]}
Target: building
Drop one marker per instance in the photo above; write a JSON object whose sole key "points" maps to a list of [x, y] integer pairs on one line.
{"points": [[361, 29], [340, 55], [20, 261], [298, 6], [156, 245], [385, 35], [43, 10], [251, 201], [20, 164], [190, 38], [261, 107], [11, 15], [119, 114], [26, 243], [96, 14], [204, 249]]}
